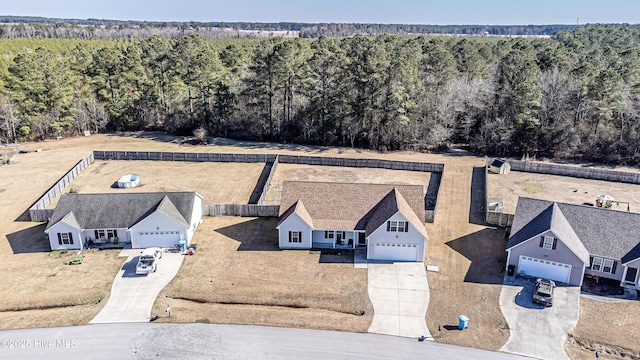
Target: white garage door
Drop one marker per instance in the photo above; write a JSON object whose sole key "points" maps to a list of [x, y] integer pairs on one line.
{"points": [[544, 269], [159, 239], [395, 252]]}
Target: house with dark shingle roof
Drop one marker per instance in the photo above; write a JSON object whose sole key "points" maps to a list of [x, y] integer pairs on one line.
{"points": [[563, 242], [139, 220], [387, 220]]}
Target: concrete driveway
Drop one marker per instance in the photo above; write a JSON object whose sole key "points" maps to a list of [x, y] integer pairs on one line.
{"points": [[132, 296], [538, 331], [399, 293]]}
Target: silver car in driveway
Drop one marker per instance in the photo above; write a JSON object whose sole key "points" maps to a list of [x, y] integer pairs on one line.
{"points": [[543, 294]]}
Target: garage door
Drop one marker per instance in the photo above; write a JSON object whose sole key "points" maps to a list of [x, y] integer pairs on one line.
{"points": [[395, 252], [159, 239], [544, 269]]}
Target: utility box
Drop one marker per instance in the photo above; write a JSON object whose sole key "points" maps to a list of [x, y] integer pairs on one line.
{"points": [[463, 322]]}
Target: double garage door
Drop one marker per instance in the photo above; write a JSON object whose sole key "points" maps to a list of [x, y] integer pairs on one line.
{"points": [[158, 238], [394, 252], [544, 269]]}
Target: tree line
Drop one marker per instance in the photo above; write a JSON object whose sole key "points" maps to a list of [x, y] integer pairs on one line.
{"points": [[42, 27], [574, 95]]}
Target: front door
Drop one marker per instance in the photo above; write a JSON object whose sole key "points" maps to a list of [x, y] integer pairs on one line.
{"points": [[362, 239], [338, 237], [631, 275]]}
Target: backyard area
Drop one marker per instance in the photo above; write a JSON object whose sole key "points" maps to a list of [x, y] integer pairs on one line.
{"points": [[295, 172], [218, 183], [240, 276], [560, 188]]}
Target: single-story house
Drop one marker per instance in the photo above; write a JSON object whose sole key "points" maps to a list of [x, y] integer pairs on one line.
{"points": [[563, 242], [140, 220], [387, 220], [499, 166]]}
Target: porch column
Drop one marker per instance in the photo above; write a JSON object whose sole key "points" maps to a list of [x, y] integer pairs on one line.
{"points": [[624, 275], [355, 239]]}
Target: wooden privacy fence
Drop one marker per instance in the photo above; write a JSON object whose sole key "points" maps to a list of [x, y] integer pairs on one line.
{"points": [[361, 163], [240, 210], [500, 219], [575, 171], [181, 156], [265, 188], [38, 211]]}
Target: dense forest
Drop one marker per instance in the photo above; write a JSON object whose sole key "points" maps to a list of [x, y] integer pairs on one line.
{"points": [[574, 95], [41, 27]]}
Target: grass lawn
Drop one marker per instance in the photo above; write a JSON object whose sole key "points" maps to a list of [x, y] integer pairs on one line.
{"points": [[614, 327], [238, 275], [471, 259]]}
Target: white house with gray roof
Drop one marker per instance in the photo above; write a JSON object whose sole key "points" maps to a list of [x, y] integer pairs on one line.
{"points": [[387, 220], [563, 242], [139, 220]]}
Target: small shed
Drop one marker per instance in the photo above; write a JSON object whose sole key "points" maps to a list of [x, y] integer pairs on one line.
{"points": [[500, 166], [128, 181]]}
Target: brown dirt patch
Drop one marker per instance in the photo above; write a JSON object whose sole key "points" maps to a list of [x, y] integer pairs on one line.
{"points": [[609, 326], [559, 188], [218, 183], [244, 278], [295, 172]]}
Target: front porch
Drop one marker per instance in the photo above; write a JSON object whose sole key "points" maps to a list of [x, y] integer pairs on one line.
{"points": [[630, 278], [338, 239]]}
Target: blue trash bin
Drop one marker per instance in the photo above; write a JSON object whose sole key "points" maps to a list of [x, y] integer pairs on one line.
{"points": [[183, 245], [463, 322]]}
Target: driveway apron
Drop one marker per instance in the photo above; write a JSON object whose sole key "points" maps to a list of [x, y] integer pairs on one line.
{"points": [[538, 331], [132, 296], [399, 293]]}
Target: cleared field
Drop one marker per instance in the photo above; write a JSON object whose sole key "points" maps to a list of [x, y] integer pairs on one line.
{"points": [[559, 188], [218, 183], [295, 172], [240, 276]]}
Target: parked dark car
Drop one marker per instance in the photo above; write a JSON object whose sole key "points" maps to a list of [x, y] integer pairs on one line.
{"points": [[544, 292]]}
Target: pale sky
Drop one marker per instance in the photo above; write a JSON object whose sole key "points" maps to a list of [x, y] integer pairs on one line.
{"points": [[443, 12]]}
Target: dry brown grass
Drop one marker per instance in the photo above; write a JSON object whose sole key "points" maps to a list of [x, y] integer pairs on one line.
{"points": [[238, 265], [294, 172], [470, 260], [463, 252], [559, 188], [218, 183], [614, 327]]}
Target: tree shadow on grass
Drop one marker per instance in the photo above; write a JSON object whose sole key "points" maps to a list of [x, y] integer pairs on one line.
{"points": [[259, 234], [486, 251], [29, 240]]}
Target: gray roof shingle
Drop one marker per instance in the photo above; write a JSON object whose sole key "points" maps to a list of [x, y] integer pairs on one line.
{"points": [[102, 211], [603, 232]]}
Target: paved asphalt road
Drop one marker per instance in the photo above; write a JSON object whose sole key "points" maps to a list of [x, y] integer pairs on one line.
{"points": [[204, 341]]}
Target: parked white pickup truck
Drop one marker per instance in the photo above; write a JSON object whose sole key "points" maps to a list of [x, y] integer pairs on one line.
{"points": [[148, 261]]}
